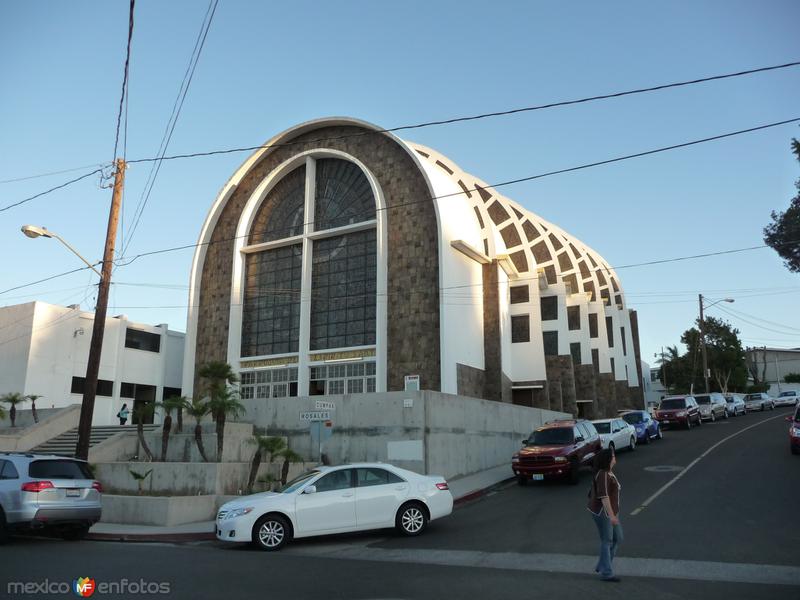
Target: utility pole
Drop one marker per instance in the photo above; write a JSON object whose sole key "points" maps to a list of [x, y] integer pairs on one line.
{"points": [[98, 329], [703, 343]]}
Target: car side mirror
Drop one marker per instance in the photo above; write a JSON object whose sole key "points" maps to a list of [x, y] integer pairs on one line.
{"points": [[579, 439], [524, 442], [790, 418], [311, 489]]}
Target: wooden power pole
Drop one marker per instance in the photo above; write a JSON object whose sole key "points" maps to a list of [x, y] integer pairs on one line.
{"points": [[98, 329]]}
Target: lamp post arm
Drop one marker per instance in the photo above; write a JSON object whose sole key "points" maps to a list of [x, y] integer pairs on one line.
{"points": [[75, 252]]}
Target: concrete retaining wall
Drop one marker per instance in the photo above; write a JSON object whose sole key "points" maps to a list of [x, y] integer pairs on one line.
{"points": [[51, 424], [161, 510], [426, 432]]}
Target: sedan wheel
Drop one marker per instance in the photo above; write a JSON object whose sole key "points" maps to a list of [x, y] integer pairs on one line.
{"points": [[713, 416], [659, 434], [725, 414], [689, 423], [632, 444], [271, 532], [411, 520]]}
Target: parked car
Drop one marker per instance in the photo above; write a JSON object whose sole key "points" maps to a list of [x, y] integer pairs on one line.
{"points": [[760, 401], [52, 493], [679, 410], [558, 449], [788, 398], [340, 499], [647, 428], [616, 433], [712, 406], [794, 431], [736, 405]]}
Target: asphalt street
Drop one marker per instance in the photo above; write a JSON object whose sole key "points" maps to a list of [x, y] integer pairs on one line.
{"points": [[726, 528]]}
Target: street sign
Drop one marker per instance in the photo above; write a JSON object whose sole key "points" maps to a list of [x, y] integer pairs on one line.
{"points": [[325, 405], [411, 383], [315, 415]]}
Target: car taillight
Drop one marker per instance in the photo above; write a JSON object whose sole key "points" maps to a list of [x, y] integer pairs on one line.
{"points": [[36, 486], [98, 486], [443, 486]]}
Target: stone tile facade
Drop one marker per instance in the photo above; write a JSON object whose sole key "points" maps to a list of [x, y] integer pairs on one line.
{"points": [[470, 381]]}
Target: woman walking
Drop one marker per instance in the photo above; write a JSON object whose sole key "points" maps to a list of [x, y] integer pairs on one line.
{"points": [[123, 413], [604, 506]]}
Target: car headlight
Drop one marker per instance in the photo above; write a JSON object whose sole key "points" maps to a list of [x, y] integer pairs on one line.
{"points": [[515, 458], [238, 512], [796, 431], [560, 459]]}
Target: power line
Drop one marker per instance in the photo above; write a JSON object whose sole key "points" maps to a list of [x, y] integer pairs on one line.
{"points": [[53, 189], [50, 278], [124, 78], [481, 116], [183, 90], [51, 173], [752, 323]]}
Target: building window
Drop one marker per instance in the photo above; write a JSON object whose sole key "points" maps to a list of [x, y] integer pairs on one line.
{"points": [[550, 341], [519, 294], [271, 316], [622, 337], [142, 340], [104, 387], [575, 351], [549, 307], [613, 368], [520, 329], [593, 325], [287, 202], [596, 360], [268, 383], [610, 331], [574, 317], [343, 280], [345, 378], [169, 392], [343, 195]]}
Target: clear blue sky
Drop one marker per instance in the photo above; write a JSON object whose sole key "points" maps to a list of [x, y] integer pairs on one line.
{"points": [[269, 65]]}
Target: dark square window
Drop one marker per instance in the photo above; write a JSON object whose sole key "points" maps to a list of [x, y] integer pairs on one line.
{"points": [[610, 331], [549, 307], [622, 337], [550, 342], [596, 360], [593, 325], [550, 274], [520, 329], [104, 387], [142, 340], [613, 368], [519, 294], [575, 351], [574, 317]]}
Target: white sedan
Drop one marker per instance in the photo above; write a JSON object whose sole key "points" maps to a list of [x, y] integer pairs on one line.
{"points": [[339, 499], [616, 433]]}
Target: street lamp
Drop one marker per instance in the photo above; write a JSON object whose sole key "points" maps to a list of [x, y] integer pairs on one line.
{"points": [[33, 232], [703, 334]]}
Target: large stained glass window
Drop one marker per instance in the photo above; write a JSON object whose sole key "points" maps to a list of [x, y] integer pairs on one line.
{"points": [[271, 318], [286, 201], [343, 291], [343, 195]]}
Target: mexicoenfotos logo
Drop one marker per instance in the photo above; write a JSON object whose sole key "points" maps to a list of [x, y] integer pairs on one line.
{"points": [[83, 587]]}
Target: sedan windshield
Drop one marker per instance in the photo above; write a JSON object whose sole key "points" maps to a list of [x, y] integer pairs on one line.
{"points": [[552, 436], [785, 394], [703, 399], [603, 427], [633, 418], [298, 482], [753, 397], [672, 404]]}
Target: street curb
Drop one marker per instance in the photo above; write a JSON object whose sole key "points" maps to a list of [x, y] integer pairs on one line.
{"points": [[479, 493], [151, 537]]}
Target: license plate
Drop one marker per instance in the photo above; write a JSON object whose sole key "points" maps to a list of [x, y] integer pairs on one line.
{"points": [[73, 493], [538, 477]]}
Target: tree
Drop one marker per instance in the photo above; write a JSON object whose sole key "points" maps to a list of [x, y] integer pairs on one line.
{"points": [[140, 477], [792, 378], [140, 413], [13, 398], [170, 404], [198, 409], [783, 233], [726, 357], [271, 446], [222, 399], [752, 356]]}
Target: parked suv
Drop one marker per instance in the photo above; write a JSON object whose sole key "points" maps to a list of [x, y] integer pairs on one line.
{"points": [[52, 492], [712, 406], [760, 401], [679, 410], [556, 450]]}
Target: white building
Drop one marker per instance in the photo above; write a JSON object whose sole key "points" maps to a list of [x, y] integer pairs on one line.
{"points": [[773, 364], [44, 349]]}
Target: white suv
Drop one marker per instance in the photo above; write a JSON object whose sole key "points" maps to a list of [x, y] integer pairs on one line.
{"points": [[52, 492]]}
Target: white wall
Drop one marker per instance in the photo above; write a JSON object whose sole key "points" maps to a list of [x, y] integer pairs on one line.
{"points": [[16, 325]]}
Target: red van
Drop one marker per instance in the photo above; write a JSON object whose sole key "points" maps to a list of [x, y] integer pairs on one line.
{"points": [[679, 410]]}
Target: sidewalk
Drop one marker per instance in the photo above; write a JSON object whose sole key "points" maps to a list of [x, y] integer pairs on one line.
{"points": [[463, 489]]}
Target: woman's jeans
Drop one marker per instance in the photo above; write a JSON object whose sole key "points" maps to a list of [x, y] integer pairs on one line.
{"points": [[610, 538]]}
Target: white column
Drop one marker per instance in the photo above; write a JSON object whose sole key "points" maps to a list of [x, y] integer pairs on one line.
{"points": [[305, 286]]}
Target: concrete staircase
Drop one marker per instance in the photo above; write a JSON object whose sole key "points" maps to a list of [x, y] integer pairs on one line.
{"points": [[64, 444]]}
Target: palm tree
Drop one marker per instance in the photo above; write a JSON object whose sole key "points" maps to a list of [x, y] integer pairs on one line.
{"points": [[33, 398], [2, 413], [170, 404], [140, 412], [13, 398], [140, 477], [198, 409], [289, 456], [224, 402], [272, 446]]}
